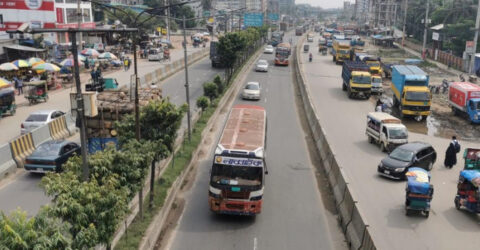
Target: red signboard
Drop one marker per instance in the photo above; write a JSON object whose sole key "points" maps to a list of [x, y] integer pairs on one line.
{"points": [[59, 15]]}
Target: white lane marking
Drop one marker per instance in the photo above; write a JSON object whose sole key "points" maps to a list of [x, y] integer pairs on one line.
{"points": [[255, 243]]}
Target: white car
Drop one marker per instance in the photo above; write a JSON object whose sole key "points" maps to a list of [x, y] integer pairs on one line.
{"points": [[251, 91], [39, 118], [310, 39], [262, 65], [268, 49]]}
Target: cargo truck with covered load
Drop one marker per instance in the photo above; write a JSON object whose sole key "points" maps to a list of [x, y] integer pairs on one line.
{"points": [[357, 80], [464, 98], [410, 89], [341, 50]]}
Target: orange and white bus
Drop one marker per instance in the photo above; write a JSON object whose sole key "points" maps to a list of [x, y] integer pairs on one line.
{"points": [[282, 52], [238, 171]]}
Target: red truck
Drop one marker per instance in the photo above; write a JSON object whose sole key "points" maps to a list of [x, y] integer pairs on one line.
{"points": [[464, 98]]}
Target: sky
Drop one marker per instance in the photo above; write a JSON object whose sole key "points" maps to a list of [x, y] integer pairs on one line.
{"points": [[325, 4]]}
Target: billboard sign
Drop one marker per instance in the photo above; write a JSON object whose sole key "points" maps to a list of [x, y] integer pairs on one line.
{"points": [[253, 19], [273, 16]]}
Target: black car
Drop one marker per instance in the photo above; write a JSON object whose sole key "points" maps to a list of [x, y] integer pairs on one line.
{"points": [[50, 156], [414, 154]]}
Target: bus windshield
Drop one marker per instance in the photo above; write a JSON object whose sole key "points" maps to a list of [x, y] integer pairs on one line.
{"points": [[236, 175]]}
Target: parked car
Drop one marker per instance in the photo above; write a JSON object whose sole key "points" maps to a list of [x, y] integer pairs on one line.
{"points": [[251, 91], [50, 156], [268, 49], [39, 118], [414, 154], [262, 65]]}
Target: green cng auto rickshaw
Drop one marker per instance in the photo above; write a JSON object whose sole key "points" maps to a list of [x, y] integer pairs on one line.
{"points": [[35, 91], [7, 101]]}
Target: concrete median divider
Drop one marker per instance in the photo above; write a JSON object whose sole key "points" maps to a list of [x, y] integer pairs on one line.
{"points": [[7, 164], [22, 147], [41, 135], [58, 128], [350, 217], [71, 123]]}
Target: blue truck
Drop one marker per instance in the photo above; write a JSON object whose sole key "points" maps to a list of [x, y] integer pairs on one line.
{"points": [[357, 80], [411, 93]]}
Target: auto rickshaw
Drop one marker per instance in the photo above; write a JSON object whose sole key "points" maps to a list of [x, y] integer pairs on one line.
{"points": [[472, 159], [419, 191], [468, 191], [35, 91], [306, 48], [7, 101]]}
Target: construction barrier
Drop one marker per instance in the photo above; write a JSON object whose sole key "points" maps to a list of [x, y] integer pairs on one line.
{"points": [[58, 128], [71, 123], [7, 164], [41, 135], [353, 224], [21, 148]]}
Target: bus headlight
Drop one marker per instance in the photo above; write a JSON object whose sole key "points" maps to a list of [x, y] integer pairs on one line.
{"points": [[214, 192]]}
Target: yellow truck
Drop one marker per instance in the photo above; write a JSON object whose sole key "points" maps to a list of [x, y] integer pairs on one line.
{"points": [[341, 50], [357, 80]]}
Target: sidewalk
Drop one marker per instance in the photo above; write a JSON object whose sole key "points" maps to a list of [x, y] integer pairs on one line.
{"points": [[122, 76]]}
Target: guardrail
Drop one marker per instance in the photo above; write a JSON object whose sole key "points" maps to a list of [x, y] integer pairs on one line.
{"points": [[13, 154], [353, 223]]}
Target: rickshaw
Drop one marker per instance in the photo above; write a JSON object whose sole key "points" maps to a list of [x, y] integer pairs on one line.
{"points": [[306, 48], [472, 159], [7, 101], [322, 49], [35, 91], [468, 191], [419, 191]]}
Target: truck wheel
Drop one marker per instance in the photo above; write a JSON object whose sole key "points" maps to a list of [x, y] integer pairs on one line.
{"points": [[454, 110], [395, 102], [350, 94], [430, 166], [457, 203], [333, 58], [344, 87], [427, 213], [367, 96], [401, 113], [382, 147], [370, 139]]}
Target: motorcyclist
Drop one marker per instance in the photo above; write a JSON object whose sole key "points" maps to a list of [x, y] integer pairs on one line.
{"points": [[310, 57]]}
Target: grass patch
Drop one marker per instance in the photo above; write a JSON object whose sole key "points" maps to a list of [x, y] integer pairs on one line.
{"points": [[136, 230], [428, 64]]}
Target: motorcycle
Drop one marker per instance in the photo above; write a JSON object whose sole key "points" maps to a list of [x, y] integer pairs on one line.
{"points": [[310, 57]]}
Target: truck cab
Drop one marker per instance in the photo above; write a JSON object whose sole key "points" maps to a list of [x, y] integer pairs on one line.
{"points": [[341, 50], [473, 110], [377, 84], [416, 100], [385, 130], [357, 80]]}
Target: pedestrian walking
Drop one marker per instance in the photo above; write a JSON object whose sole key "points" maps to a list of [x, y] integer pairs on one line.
{"points": [[18, 85], [129, 63], [451, 153], [125, 64], [98, 73], [93, 74]]}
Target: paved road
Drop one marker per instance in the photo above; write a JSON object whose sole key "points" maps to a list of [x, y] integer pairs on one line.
{"points": [[60, 99], [382, 200], [24, 191], [293, 215]]}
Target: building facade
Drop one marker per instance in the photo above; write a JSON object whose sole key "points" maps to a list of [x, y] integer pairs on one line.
{"points": [[362, 11], [384, 13]]}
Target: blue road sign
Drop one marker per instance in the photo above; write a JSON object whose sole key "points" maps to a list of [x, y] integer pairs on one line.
{"points": [[253, 19], [273, 16]]}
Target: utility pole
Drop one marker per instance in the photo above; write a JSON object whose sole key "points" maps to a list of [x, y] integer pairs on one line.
{"points": [[167, 21], [475, 40], [425, 32], [186, 79], [79, 21], [80, 108], [404, 22]]}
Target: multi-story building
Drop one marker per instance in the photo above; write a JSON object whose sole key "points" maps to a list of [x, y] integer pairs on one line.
{"points": [[362, 11], [384, 13], [348, 10], [229, 4], [66, 17]]}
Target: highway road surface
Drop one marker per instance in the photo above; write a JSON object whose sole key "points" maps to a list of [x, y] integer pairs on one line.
{"points": [[382, 200], [293, 214], [24, 190]]}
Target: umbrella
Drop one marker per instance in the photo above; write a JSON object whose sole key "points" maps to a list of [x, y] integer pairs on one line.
{"points": [[69, 62], [8, 67], [34, 60], [80, 57], [46, 67], [107, 55], [90, 52], [21, 63], [4, 82]]}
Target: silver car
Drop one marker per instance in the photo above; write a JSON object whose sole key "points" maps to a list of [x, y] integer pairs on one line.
{"points": [[268, 49], [251, 91], [39, 118], [262, 65]]}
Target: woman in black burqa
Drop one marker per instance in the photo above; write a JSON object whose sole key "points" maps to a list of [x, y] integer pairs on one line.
{"points": [[451, 154]]}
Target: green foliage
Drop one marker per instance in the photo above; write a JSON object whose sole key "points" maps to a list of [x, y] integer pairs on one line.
{"points": [[231, 44], [220, 85], [93, 210], [159, 122], [203, 102], [210, 90], [128, 16], [17, 231]]}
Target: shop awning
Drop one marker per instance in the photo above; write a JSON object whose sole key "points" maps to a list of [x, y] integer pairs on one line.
{"points": [[24, 48]]}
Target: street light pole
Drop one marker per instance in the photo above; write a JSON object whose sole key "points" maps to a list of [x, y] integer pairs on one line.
{"points": [[475, 40], [425, 32], [404, 23], [186, 79], [79, 21]]}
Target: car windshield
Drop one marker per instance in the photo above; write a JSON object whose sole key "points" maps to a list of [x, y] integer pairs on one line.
{"points": [[376, 80], [37, 118], [252, 87], [47, 149], [362, 79], [401, 155], [397, 133], [418, 96], [153, 52], [236, 175]]}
